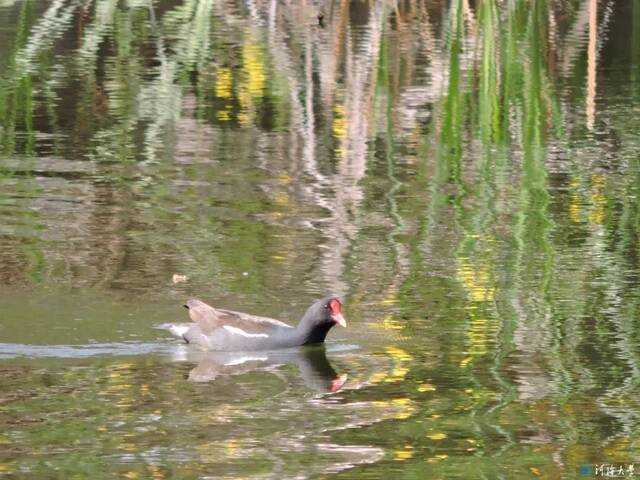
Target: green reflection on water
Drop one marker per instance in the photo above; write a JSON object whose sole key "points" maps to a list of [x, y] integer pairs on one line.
{"points": [[466, 175]]}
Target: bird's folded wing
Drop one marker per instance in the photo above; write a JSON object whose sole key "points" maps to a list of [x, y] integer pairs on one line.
{"points": [[250, 324], [207, 317]]}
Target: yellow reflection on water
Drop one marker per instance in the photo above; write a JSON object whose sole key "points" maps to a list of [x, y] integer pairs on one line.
{"points": [[155, 472], [399, 354], [281, 198], [128, 447], [339, 127], [477, 280], [403, 453], [575, 201], [477, 277], [406, 407], [598, 199], [253, 60], [398, 408], [399, 370], [426, 387], [223, 115], [224, 81], [389, 323], [437, 458], [339, 121]]}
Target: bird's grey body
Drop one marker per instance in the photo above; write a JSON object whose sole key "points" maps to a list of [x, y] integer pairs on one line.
{"points": [[226, 330]]}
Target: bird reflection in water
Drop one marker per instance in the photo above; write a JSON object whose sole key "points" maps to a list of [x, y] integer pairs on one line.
{"points": [[313, 365]]}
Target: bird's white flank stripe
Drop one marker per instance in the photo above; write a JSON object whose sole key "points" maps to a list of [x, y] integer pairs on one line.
{"points": [[238, 331]]}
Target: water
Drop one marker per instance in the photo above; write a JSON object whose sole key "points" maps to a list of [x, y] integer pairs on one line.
{"points": [[466, 177]]}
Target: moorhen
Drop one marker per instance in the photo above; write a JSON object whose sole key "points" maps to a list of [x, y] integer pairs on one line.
{"points": [[225, 330]]}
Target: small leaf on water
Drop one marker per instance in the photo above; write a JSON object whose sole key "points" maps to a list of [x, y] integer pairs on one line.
{"points": [[179, 278]]}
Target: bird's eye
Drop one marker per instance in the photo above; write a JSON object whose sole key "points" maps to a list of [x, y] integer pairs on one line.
{"points": [[326, 306]]}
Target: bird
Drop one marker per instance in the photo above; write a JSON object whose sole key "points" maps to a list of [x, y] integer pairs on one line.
{"points": [[225, 330]]}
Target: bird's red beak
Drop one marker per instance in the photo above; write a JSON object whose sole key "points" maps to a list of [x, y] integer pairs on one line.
{"points": [[339, 319]]}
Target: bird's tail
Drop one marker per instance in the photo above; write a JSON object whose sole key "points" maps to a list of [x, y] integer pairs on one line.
{"points": [[177, 329]]}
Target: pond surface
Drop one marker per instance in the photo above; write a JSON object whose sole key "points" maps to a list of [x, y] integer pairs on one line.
{"points": [[465, 175]]}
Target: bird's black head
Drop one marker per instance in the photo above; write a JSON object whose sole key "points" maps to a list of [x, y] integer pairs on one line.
{"points": [[320, 318]]}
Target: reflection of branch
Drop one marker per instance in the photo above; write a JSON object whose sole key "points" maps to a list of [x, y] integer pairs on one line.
{"points": [[436, 69], [282, 63], [591, 63], [552, 38], [52, 25], [310, 137], [359, 89], [574, 40], [94, 34], [471, 21], [359, 93], [162, 113], [331, 55]]}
